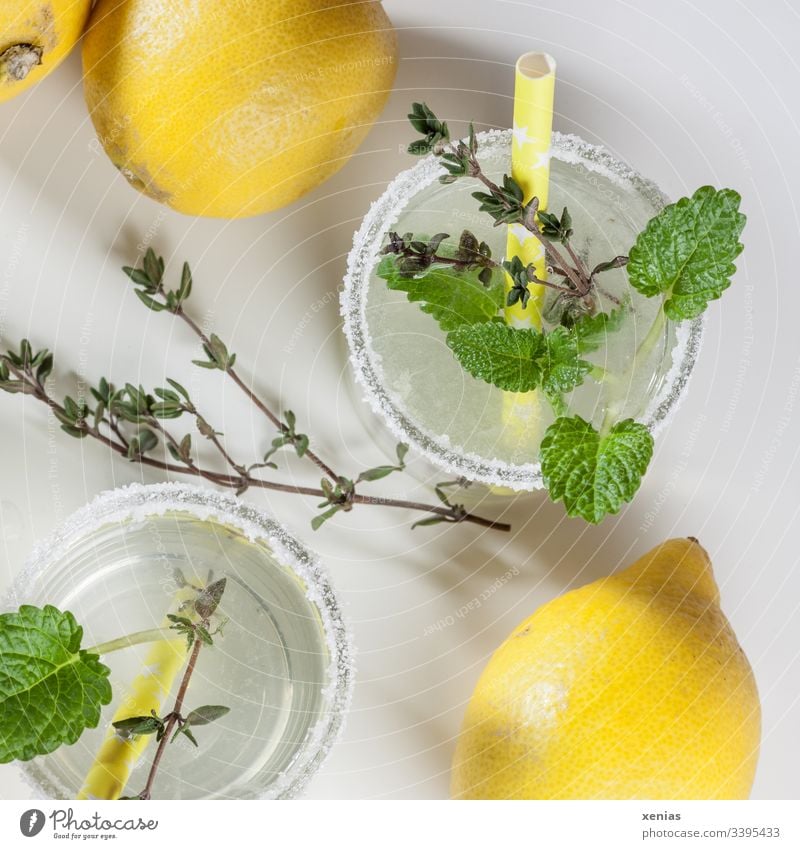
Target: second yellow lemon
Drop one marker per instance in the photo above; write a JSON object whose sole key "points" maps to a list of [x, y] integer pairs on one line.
{"points": [[233, 109], [633, 687]]}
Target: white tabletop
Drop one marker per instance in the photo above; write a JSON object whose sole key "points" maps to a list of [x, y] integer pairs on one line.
{"points": [[688, 93]]}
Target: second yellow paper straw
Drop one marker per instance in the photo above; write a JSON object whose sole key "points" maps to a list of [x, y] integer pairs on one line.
{"points": [[534, 90], [119, 754]]}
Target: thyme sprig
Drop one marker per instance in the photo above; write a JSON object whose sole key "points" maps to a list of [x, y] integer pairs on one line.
{"points": [[506, 205], [197, 629], [137, 424], [416, 256]]}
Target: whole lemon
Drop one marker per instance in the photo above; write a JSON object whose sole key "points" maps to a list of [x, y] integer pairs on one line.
{"points": [[35, 36], [633, 687], [234, 109]]}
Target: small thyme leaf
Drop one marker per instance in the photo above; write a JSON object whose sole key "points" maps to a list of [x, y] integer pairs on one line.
{"points": [[617, 262], [507, 205], [176, 386], [138, 277], [519, 291], [167, 395], [167, 410], [384, 471], [183, 452], [318, 521], [205, 429], [78, 433], [555, 228], [44, 368], [149, 302], [433, 520], [209, 598], [207, 714], [180, 620], [184, 729], [218, 355], [153, 267], [139, 724], [377, 473], [147, 440], [185, 288]]}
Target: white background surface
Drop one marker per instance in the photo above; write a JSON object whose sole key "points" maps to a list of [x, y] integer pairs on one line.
{"points": [[688, 93]]}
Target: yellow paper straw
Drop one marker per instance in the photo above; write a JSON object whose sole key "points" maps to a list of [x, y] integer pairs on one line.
{"points": [[534, 88], [119, 754]]}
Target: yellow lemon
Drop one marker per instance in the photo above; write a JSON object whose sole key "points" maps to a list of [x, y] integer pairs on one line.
{"points": [[633, 687], [35, 35], [234, 109]]}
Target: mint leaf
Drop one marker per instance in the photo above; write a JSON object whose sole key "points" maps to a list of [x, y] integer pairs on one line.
{"points": [[591, 330], [519, 359], [593, 474], [507, 357], [50, 689], [560, 362], [453, 298], [687, 251]]}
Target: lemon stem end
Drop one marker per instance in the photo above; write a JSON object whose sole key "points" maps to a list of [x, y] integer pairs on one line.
{"points": [[17, 61]]}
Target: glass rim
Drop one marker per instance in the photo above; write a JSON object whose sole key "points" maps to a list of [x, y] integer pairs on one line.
{"points": [[143, 501], [365, 363]]}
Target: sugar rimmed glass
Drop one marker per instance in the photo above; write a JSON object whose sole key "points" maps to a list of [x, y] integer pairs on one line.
{"points": [[409, 378], [283, 666]]}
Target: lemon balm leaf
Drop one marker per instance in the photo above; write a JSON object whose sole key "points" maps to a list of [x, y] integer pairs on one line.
{"points": [[594, 474], [518, 359], [507, 357], [561, 363], [592, 330], [453, 298], [51, 690], [687, 251]]}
